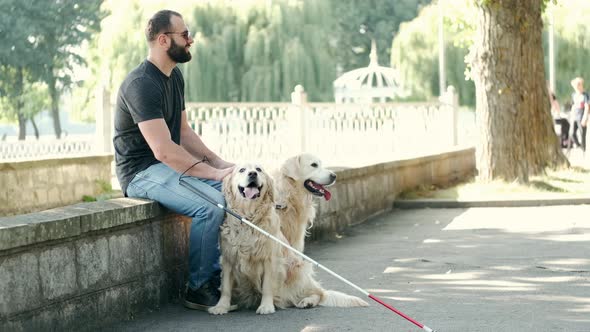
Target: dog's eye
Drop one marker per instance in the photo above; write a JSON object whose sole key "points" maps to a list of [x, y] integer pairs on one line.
{"points": [[314, 165], [258, 169], [242, 170]]}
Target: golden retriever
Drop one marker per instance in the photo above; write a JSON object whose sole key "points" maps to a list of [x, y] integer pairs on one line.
{"points": [[298, 181], [256, 270]]}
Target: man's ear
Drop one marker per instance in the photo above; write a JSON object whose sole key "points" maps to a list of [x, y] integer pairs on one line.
{"points": [[162, 40], [290, 167]]}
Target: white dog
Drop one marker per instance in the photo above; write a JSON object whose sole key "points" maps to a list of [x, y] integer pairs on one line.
{"points": [[255, 269], [299, 180]]}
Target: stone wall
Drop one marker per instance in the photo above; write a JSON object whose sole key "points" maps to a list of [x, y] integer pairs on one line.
{"points": [[43, 184], [83, 266]]}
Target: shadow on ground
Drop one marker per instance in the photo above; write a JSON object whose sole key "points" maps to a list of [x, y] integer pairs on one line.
{"points": [[480, 269]]}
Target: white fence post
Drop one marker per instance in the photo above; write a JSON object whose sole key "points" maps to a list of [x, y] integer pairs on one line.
{"points": [[451, 98], [104, 127], [299, 101]]}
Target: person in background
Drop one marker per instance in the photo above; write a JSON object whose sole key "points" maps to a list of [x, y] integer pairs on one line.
{"points": [[580, 109], [154, 145], [560, 119]]}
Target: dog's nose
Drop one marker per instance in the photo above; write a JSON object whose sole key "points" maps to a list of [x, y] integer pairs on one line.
{"points": [[252, 175], [332, 177]]}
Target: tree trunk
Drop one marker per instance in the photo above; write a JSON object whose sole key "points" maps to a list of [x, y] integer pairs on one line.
{"points": [[54, 94], [516, 133], [22, 127], [35, 128], [22, 120]]}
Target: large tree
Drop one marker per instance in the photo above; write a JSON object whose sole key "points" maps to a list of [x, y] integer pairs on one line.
{"points": [[513, 115], [66, 25]]}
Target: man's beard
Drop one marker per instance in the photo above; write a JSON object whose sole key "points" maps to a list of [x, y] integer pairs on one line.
{"points": [[177, 53]]}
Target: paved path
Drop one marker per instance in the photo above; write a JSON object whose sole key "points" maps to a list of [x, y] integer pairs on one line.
{"points": [[479, 269]]}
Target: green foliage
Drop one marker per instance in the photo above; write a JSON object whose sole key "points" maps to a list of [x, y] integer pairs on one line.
{"points": [[415, 51], [40, 44], [381, 17], [572, 45], [262, 53], [104, 192]]}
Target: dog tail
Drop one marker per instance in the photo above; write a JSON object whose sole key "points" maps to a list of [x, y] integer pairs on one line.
{"points": [[336, 299]]}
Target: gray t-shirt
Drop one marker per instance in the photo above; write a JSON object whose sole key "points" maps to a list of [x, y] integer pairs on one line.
{"points": [[145, 94]]}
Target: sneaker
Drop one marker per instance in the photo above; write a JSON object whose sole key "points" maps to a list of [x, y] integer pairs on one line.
{"points": [[205, 297]]}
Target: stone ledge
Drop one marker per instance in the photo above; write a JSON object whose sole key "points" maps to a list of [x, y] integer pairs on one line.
{"points": [[73, 220]]}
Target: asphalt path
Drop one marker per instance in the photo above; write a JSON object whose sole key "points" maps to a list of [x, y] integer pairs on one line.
{"points": [[477, 269]]}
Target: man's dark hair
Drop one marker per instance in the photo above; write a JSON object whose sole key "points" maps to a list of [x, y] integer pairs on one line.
{"points": [[159, 23]]}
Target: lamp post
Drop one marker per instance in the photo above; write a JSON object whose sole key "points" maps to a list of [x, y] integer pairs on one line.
{"points": [[441, 50], [551, 49]]}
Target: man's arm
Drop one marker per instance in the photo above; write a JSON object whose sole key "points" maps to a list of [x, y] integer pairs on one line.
{"points": [[192, 143], [158, 137]]}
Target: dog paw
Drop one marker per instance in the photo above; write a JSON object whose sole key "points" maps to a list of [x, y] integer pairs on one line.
{"points": [[265, 309], [218, 310], [308, 302]]}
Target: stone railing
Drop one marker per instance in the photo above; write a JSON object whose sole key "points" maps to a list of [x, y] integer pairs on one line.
{"points": [[84, 266], [47, 147], [40, 184], [345, 134]]}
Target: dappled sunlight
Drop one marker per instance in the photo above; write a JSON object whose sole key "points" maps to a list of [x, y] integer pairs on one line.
{"points": [[404, 299], [454, 276], [397, 269], [568, 261], [507, 268], [584, 308], [566, 237], [381, 291], [432, 241], [522, 220], [311, 328], [547, 279]]}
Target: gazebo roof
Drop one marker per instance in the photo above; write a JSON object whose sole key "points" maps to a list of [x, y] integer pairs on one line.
{"points": [[364, 84]]}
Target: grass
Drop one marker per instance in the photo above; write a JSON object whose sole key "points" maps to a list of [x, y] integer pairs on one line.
{"points": [[571, 182], [105, 192]]}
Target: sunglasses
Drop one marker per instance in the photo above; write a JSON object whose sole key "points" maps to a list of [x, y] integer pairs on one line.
{"points": [[185, 34]]}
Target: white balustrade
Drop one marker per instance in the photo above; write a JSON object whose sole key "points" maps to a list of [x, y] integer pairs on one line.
{"points": [[341, 134]]}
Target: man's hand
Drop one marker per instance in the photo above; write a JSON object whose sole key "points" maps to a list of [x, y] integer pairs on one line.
{"points": [[221, 173], [221, 164]]}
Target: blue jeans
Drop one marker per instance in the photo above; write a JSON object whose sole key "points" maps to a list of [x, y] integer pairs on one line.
{"points": [[160, 183]]}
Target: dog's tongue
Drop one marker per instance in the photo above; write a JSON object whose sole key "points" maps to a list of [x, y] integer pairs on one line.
{"points": [[250, 192], [323, 190], [327, 195]]}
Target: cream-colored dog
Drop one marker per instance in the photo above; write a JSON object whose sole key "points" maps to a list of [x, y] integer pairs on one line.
{"points": [[299, 180], [257, 271]]}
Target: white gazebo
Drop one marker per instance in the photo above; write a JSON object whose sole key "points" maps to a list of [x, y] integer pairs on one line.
{"points": [[373, 83]]}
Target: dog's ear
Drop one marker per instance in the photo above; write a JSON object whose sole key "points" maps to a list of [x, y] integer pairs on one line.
{"points": [[270, 190], [226, 186], [291, 167]]}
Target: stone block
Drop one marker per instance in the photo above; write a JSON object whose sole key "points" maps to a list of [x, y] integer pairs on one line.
{"points": [[115, 212], [125, 259], [81, 314], [19, 286], [113, 303], [41, 196], [175, 233], [57, 270], [151, 244], [92, 260], [37, 227]]}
